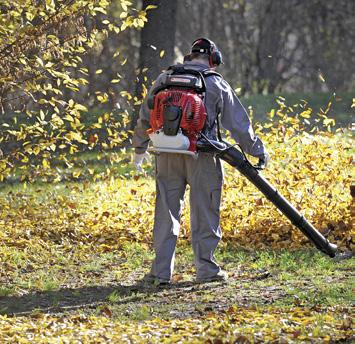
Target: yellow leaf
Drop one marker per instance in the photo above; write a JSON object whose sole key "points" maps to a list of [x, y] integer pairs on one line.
{"points": [[45, 163], [140, 22], [126, 94], [81, 107], [29, 15], [76, 174], [100, 9], [40, 61], [238, 90], [162, 53], [102, 98], [150, 7], [329, 121], [69, 118], [36, 150], [306, 114], [321, 77], [117, 52]]}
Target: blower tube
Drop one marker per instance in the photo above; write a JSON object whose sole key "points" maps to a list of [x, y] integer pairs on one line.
{"points": [[237, 159]]}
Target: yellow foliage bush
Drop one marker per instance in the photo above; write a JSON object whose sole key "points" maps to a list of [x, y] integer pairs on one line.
{"points": [[312, 172]]}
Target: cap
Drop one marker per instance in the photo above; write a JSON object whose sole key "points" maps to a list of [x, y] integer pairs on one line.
{"points": [[202, 45]]}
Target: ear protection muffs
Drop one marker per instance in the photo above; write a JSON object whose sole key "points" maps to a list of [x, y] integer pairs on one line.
{"points": [[214, 55]]}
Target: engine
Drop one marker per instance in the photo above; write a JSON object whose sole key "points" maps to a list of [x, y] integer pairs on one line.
{"points": [[178, 111]]}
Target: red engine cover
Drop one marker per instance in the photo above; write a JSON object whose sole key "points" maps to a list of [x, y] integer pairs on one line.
{"points": [[193, 112]]}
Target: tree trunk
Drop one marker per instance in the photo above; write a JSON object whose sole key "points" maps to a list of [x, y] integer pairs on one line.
{"points": [[158, 35]]}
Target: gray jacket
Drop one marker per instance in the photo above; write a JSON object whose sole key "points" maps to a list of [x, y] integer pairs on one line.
{"points": [[219, 99]]}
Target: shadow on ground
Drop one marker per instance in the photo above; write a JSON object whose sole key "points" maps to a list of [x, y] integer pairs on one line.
{"points": [[63, 300]]}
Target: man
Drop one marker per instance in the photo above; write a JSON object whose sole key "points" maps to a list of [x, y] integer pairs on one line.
{"points": [[204, 175]]}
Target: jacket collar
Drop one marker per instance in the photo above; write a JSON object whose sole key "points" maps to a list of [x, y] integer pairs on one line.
{"points": [[197, 65]]}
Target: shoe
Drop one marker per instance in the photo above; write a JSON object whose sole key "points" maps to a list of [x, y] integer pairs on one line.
{"points": [[221, 276], [155, 281]]}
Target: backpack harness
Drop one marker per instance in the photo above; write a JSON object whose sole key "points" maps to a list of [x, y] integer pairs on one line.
{"points": [[178, 113]]}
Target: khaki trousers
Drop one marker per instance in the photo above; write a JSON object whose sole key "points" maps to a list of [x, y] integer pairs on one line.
{"points": [[205, 177]]}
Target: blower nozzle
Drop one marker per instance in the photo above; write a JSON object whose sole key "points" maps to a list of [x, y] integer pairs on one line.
{"points": [[238, 160]]}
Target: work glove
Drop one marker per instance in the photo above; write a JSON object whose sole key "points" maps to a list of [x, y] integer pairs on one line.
{"points": [[263, 161], [138, 160]]}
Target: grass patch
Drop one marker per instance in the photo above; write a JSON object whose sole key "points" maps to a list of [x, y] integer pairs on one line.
{"points": [[341, 108], [5, 291], [299, 277], [268, 282]]}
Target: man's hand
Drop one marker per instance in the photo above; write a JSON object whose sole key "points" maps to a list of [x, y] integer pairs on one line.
{"points": [[138, 160], [263, 161]]}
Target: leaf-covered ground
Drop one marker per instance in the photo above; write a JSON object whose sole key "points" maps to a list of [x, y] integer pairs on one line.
{"points": [[271, 296], [72, 255]]}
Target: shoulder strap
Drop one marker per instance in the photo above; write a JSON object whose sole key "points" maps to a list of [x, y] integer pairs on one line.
{"points": [[181, 69], [178, 69], [208, 72]]}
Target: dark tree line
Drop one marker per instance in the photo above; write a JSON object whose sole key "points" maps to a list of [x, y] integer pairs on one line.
{"points": [[269, 46], [277, 45]]}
